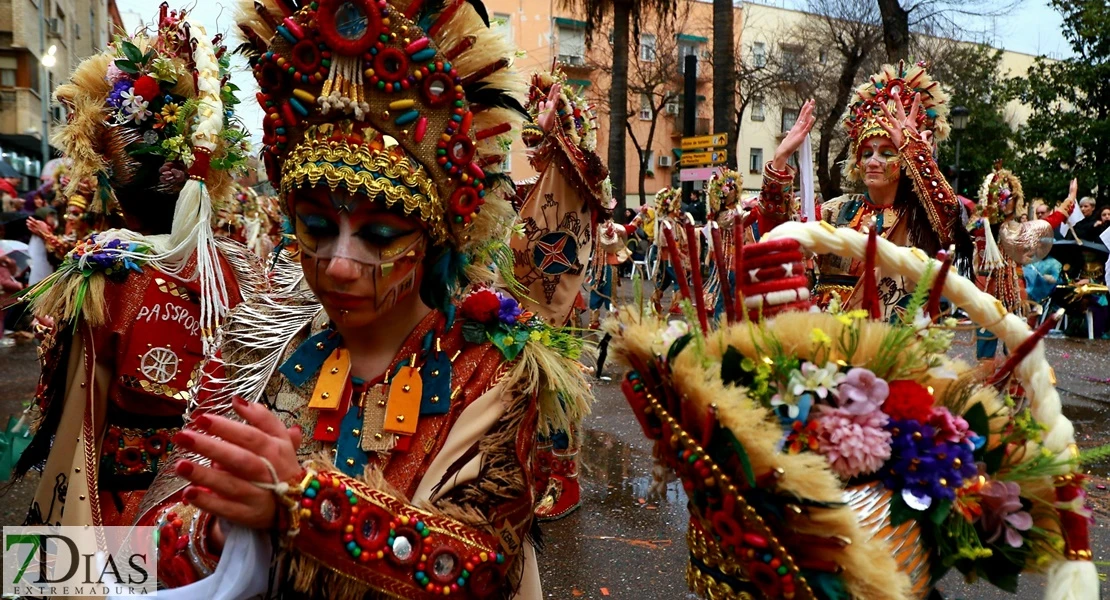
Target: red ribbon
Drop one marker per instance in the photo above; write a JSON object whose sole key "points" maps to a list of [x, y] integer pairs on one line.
{"points": [[202, 159]]}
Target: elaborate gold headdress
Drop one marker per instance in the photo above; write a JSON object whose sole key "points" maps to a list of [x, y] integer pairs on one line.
{"points": [[408, 101], [1001, 184], [724, 189], [864, 117]]}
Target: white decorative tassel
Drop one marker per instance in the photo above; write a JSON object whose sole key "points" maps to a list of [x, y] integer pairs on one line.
{"points": [[1072, 580], [991, 260]]}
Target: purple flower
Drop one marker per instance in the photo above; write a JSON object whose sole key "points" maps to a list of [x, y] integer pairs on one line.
{"points": [[862, 392], [115, 99], [1002, 512], [925, 465], [509, 311]]}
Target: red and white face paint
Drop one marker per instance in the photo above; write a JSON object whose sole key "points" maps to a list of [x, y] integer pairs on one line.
{"points": [[879, 161], [360, 258]]}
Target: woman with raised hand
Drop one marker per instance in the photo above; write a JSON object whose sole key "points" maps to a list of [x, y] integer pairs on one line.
{"points": [[892, 125]]}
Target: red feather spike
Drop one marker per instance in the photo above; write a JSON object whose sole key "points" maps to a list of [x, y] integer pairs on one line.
{"points": [[492, 131], [870, 285], [252, 37], [676, 261], [485, 71], [737, 269], [722, 273], [709, 427], [933, 307], [464, 44], [1023, 349], [444, 17], [413, 8], [695, 274]]}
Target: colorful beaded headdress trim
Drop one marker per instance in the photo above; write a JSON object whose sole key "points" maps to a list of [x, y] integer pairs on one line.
{"points": [[406, 100], [864, 117], [999, 183], [723, 189]]}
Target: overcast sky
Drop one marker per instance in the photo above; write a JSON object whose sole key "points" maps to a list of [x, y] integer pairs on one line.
{"points": [[1033, 28]]}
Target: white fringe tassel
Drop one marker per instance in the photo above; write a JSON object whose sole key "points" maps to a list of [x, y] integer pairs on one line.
{"points": [[1072, 580]]}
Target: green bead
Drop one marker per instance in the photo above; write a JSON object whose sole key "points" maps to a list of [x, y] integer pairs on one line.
{"points": [[782, 570]]}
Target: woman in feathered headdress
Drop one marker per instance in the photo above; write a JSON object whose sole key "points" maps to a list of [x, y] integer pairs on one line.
{"points": [[389, 393], [669, 216], [150, 134], [1001, 203], [892, 124]]}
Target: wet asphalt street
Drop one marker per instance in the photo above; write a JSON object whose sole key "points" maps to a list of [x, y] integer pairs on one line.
{"points": [[623, 544]]}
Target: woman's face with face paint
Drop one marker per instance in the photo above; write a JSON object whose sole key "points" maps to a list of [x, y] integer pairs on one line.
{"points": [[360, 259], [879, 162]]}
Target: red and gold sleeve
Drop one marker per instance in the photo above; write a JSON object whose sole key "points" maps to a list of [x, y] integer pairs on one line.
{"points": [[352, 532], [776, 198], [940, 201]]}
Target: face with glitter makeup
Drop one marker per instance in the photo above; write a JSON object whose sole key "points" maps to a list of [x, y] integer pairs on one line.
{"points": [[360, 259], [879, 162]]}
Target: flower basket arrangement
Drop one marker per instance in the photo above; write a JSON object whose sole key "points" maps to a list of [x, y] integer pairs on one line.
{"points": [[837, 455]]}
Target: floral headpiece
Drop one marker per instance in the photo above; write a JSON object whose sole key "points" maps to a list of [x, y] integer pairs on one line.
{"points": [[142, 97], [407, 101], [843, 455], [864, 117], [668, 201], [724, 189], [1001, 184], [577, 116]]}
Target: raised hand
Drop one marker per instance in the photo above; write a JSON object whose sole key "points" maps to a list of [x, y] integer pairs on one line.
{"points": [[901, 121], [794, 138], [548, 109], [227, 488], [1068, 204]]}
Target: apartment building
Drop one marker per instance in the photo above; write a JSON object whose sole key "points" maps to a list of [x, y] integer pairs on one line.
{"points": [[75, 29], [547, 31]]}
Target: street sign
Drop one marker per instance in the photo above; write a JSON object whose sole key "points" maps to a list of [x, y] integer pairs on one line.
{"points": [[702, 174], [698, 159], [714, 140]]}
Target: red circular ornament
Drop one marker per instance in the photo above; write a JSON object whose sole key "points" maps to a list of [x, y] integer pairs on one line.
{"points": [[415, 547], [147, 87], [349, 27], [485, 580], [438, 89], [460, 150], [444, 565], [391, 65], [464, 201], [371, 529], [330, 509], [306, 57], [272, 78]]}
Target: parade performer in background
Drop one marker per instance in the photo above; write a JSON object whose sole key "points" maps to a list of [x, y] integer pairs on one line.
{"points": [[836, 455], [668, 214], [390, 391], [136, 309], [725, 209], [76, 228], [560, 215], [999, 264], [892, 124], [610, 251]]}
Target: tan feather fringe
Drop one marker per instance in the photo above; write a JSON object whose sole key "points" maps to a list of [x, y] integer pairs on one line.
{"points": [[870, 569], [59, 301], [564, 393]]}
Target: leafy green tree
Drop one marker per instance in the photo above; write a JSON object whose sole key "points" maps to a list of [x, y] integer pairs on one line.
{"points": [[1068, 134], [974, 78]]}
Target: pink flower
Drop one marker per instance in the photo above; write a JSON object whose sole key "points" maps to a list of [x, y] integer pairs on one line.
{"points": [[1003, 514], [853, 444], [949, 427], [862, 392], [114, 74]]}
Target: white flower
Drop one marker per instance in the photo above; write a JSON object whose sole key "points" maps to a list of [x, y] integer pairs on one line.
{"points": [[675, 329], [134, 108], [820, 380]]}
